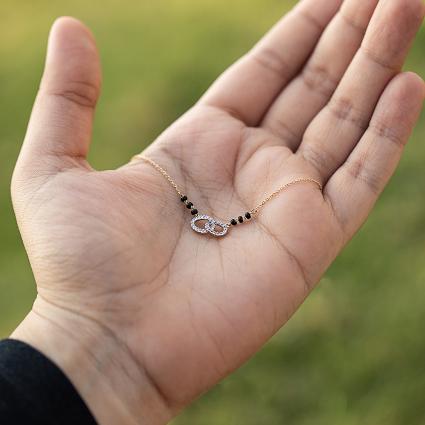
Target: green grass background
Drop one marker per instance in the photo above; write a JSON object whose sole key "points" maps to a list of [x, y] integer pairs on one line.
{"points": [[355, 352]]}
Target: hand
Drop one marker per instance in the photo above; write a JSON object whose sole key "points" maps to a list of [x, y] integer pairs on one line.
{"points": [[142, 313]]}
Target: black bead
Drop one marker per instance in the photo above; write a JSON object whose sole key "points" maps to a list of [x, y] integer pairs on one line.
{"points": [[240, 218], [247, 215], [183, 198], [194, 211], [233, 221], [189, 205]]}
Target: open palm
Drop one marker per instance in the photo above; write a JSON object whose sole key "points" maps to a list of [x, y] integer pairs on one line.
{"points": [[115, 248]]}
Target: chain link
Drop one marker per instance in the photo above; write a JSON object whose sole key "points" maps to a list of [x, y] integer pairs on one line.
{"points": [[161, 170], [255, 210], [281, 189]]}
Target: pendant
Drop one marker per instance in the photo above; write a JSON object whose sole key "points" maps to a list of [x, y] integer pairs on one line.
{"points": [[211, 225]]}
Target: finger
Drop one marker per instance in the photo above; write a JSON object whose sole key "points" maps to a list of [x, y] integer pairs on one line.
{"points": [[338, 127], [309, 92], [60, 127], [354, 188], [247, 89]]}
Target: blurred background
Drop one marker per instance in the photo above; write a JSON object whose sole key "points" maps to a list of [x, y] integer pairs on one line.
{"points": [[355, 352]]}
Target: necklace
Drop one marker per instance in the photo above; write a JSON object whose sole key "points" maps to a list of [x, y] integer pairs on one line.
{"points": [[210, 225]]}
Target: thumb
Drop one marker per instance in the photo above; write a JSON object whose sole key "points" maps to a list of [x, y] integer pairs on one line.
{"points": [[60, 127]]}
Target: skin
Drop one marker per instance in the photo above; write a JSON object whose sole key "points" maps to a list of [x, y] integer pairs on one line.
{"points": [[143, 314]]}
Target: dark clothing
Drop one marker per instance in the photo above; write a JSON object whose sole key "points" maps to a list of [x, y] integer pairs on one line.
{"points": [[34, 391]]}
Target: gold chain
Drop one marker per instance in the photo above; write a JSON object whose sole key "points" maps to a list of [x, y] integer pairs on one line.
{"points": [[252, 212], [282, 188], [160, 169]]}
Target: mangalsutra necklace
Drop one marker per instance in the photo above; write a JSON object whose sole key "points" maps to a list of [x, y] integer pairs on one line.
{"points": [[210, 225]]}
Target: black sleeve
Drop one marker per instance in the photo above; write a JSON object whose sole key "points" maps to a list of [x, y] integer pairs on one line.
{"points": [[34, 391]]}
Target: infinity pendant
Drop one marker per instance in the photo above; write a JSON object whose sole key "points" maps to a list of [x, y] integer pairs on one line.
{"points": [[211, 225]]}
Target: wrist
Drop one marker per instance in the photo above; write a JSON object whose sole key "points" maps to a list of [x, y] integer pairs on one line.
{"points": [[108, 378]]}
